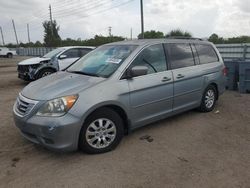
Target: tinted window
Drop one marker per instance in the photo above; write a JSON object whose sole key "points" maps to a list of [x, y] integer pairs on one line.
{"points": [[180, 55], [72, 53], [53, 53], [84, 51], [153, 57], [206, 53]]}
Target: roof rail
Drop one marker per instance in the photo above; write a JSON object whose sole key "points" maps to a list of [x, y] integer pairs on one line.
{"points": [[182, 37]]}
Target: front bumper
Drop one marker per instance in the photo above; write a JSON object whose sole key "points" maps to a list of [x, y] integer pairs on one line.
{"points": [[24, 76], [27, 72], [55, 133]]}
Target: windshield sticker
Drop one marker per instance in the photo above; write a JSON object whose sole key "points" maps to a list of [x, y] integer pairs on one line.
{"points": [[113, 60]]}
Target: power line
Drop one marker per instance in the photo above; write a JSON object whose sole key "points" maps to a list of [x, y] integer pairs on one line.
{"points": [[78, 10], [103, 10], [73, 3], [95, 11], [78, 5]]}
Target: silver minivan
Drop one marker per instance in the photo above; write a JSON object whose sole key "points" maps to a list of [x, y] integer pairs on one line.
{"points": [[119, 87]]}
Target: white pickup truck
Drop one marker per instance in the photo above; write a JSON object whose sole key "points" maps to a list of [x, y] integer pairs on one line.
{"points": [[7, 52]]}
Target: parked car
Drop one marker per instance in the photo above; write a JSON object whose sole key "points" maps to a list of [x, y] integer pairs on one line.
{"points": [[6, 52], [58, 59], [117, 88]]}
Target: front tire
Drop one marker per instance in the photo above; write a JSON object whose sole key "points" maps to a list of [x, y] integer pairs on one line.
{"points": [[45, 72], [208, 99], [102, 132]]}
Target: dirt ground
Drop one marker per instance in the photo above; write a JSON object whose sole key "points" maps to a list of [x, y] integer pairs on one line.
{"points": [[189, 150]]}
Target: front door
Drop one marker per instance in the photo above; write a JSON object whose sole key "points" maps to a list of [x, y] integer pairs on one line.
{"points": [[151, 95], [71, 56]]}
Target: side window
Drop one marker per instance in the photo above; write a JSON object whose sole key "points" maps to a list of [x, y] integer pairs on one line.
{"points": [[206, 53], [72, 53], [84, 51], [153, 57], [180, 55]]}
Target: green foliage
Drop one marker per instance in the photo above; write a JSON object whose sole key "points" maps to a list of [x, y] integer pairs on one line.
{"points": [[51, 36], [220, 40], [178, 33], [96, 41], [152, 34]]}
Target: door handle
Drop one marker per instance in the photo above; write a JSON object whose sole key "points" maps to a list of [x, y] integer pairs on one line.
{"points": [[180, 76], [165, 79]]}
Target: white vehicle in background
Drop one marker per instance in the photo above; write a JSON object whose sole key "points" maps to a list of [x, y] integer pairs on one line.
{"points": [[6, 52], [56, 60]]}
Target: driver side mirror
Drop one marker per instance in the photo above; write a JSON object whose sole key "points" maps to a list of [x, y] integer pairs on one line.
{"points": [[62, 56], [137, 71]]}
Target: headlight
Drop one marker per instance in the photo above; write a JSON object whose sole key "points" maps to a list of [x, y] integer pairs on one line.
{"points": [[57, 107]]}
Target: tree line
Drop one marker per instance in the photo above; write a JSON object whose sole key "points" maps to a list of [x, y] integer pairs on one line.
{"points": [[53, 39]]}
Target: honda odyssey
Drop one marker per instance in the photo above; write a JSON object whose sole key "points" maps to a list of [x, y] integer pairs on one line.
{"points": [[119, 87]]}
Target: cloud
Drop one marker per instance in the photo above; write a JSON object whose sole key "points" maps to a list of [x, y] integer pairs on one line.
{"points": [[244, 5], [80, 18]]}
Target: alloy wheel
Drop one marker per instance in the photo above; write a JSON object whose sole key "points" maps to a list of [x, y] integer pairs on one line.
{"points": [[209, 98], [101, 133]]}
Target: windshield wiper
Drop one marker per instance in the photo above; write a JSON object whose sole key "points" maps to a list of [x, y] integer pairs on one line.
{"points": [[84, 73]]}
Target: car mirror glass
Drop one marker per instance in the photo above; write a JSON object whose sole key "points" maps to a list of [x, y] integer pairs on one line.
{"points": [[63, 56]]}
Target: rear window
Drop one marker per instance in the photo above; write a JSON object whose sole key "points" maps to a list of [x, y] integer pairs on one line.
{"points": [[180, 55], [206, 53]]}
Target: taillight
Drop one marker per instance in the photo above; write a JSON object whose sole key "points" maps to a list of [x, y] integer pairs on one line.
{"points": [[224, 71]]}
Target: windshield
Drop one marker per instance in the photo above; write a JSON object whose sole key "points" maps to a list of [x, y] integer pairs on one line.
{"points": [[103, 61], [53, 53]]}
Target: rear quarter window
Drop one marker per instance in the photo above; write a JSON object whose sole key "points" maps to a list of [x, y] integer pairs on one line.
{"points": [[206, 53]]}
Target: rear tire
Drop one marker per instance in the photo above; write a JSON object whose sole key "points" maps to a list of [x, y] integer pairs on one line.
{"points": [[9, 55], [102, 131], [208, 99], [45, 72]]}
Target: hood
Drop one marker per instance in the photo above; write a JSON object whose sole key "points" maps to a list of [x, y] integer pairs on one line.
{"points": [[32, 61], [59, 84]]}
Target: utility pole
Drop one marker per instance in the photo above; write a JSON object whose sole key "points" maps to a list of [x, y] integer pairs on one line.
{"points": [[131, 33], [110, 29], [28, 31], [110, 34], [51, 22], [2, 35], [142, 21], [14, 27]]}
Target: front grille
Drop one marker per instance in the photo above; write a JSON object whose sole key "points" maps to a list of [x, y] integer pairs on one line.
{"points": [[23, 68], [24, 105]]}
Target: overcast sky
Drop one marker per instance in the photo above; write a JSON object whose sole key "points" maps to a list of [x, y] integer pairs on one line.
{"points": [[86, 18]]}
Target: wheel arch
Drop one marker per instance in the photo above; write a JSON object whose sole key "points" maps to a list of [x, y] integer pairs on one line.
{"points": [[9, 53], [216, 87], [115, 107], [38, 71]]}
